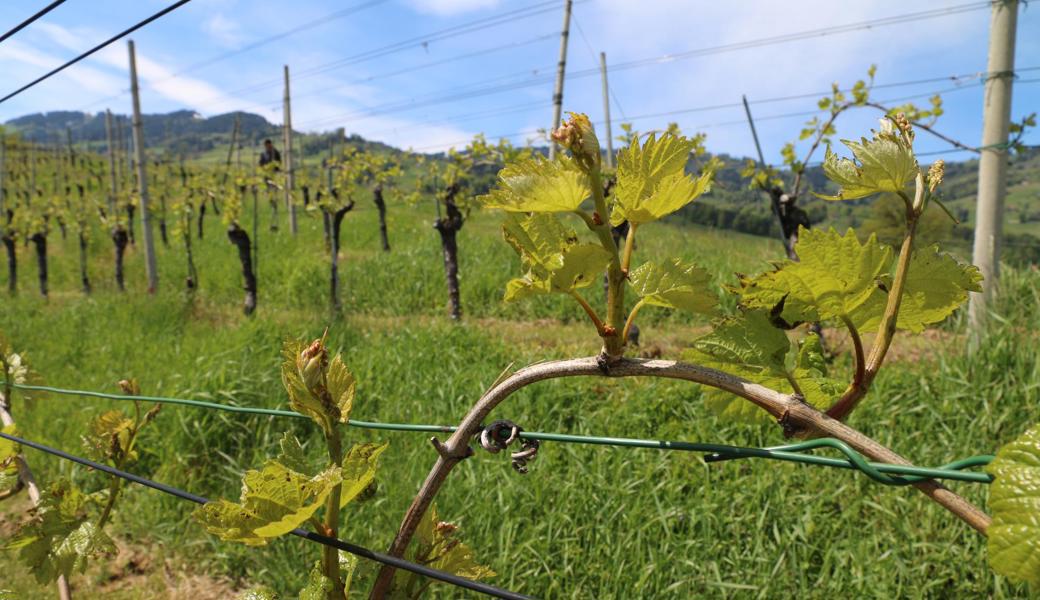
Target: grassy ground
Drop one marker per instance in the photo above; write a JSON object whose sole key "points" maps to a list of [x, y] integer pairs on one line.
{"points": [[587, 521]]}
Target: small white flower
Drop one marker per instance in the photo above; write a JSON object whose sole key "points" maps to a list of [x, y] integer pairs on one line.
{"points": [[18, 370]]}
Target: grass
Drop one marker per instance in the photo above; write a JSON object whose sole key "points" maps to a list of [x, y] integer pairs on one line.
{"points": [[587, 521]]}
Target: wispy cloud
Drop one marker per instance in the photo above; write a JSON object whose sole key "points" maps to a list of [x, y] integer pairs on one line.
{"points": [[226, 32], [451, 7], [81, 78]]}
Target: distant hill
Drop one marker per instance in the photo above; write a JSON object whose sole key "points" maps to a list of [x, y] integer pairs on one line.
{"points": [[179, 133]]}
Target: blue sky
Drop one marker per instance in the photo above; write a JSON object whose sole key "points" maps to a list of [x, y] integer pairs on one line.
{"points": [[430, 96]]}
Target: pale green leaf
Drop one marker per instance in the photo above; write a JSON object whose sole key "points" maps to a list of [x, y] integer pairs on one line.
{"points": [[883, 164], [341, 386], [348, 564], [8, 454], [1014, 498], [258, 593], [748, 346], [359, 470], [318, 585], [436, 545], [324, 404], [936, 285], [59, 540], [536, 184], [552, 257], [274, 501], [652, 180], [834, 276], [110, 435], [674, 285], [748, 341], [300, 398], [292, 454]]}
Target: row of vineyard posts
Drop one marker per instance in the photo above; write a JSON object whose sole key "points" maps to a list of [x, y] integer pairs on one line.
{"points": [[60, 186]]}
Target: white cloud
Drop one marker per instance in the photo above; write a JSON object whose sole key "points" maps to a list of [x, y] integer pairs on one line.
{"points": [[628, 31], [451, 7], [83, 77], [224, 31]]}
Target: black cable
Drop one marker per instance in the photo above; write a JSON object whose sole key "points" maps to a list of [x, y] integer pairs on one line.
{"points": [[354, 549], [26, 22], [454, 96], [126, 32], [414, 42]]}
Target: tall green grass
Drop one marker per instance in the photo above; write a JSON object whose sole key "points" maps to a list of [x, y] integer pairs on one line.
{"points": [[586, 522]]}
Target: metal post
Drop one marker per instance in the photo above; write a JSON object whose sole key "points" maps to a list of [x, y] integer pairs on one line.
{"points": [[561, 69], [754, 134], [606, 109], [989, 214], [288, 164], [111, 169], [142, 179], [230, 151]]}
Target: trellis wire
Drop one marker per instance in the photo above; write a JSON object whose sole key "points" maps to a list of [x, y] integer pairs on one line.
{"points": [[303, 533], [884, 473]]}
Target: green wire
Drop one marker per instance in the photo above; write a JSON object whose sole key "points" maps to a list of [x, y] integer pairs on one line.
{"points": [[887, 474]]}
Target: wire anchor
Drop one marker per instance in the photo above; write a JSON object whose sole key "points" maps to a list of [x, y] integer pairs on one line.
{"points": [[500, 434]]}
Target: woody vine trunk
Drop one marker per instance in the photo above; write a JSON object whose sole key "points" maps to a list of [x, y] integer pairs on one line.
{"points": [[336, 219], [202, 213], [448, 226], [240, 239], [12, 261], [39, 241], [377, 197], [120, 239]]}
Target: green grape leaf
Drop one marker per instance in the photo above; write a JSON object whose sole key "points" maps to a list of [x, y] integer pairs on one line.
{"points": [[936, 285], [885, 164], [110, 436], [436, 545], [348, 564], [444, 551], [536, 184], [318, 585], [300, 398], [652, 180], [748, 346], [1014, 497], [60, 540], [834, 276], [259, 593], [325, 401], [341, 385], [674, 285], [359, 470], [748, 341], [8, 456], [552, 257], [274, 501], [292, 454]]}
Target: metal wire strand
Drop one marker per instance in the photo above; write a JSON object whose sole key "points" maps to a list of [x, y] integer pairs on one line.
{"points": [[30, 20], [361, 551], [884, 473], [114, 38]]}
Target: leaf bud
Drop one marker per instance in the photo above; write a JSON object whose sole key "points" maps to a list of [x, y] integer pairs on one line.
{"points": [[578, 136], [311, 363], [129, 387]]}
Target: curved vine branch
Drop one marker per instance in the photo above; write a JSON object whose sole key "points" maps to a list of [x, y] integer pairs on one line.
{"points": [[793, 414]]}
